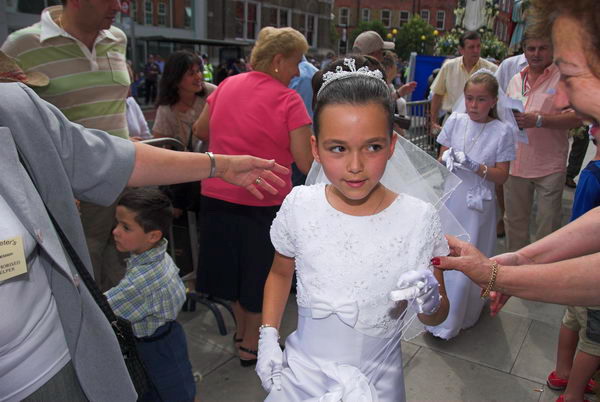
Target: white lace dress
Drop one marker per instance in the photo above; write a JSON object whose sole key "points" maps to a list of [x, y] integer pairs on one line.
{"points": [[347, 346], [484, 143]]}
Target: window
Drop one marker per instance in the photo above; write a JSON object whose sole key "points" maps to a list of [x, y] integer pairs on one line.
{"points": [[162, 13], [283, 18], [440, 19], [404, 17], [311, 22], [274, 17], [30, 6], [246, 19], [187, 16], [344, 15], [148, 8], [425, 15], [366, 14], [133, 10], [386, 18]]}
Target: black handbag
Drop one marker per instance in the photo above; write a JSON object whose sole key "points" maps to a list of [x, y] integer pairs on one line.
{"points": [[121, 327]]}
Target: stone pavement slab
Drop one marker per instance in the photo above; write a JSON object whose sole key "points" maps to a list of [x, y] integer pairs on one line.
{"points": [[493, 342], [435, 376], [537, 356]]}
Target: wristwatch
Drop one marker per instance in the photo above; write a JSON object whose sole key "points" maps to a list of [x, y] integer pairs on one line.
{"points": [[538, 121]]}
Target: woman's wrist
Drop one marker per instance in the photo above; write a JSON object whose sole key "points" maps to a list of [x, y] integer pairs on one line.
{"points": [[221, 163]]}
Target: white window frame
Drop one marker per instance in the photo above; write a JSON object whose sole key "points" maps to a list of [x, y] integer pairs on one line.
{"points": [[161, 15], [404, 21], [148, 13], [344, 14], [428, 15], [245, 20], [287, 22], [315, 17], [365, 15], [437, 19], [389, 17]]}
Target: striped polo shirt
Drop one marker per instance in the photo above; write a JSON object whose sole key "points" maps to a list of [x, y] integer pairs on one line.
{"points": [[89, 87]]}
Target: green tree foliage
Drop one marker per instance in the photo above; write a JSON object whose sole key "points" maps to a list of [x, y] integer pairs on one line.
{"points": [[376, 26], [415, 36], [491, 46]]}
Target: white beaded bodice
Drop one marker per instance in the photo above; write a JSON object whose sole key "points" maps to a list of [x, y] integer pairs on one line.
{"points": [[343, 259]]}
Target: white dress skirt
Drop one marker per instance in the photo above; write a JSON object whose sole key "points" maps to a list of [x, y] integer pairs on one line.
{"points": [[347, 344], [487, 144]]}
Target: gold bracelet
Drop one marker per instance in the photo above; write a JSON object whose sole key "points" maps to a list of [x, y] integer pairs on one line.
{"points": [[492, 281]]}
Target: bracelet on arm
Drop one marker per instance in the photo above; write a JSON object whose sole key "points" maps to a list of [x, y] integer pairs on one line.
{"points": [[492, 282], [485, 170], [213, 165], [268, 326]]}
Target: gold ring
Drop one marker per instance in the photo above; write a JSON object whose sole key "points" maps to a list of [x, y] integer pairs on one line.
{"points": [[258, 180]]}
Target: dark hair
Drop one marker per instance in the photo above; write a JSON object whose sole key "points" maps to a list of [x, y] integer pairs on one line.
{"points": [[152, 208], [177, 65], [468, 35], [356, 90]]}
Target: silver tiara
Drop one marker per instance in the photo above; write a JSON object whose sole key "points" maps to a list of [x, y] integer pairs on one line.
{"points": [[485, 71], [341, 74]]}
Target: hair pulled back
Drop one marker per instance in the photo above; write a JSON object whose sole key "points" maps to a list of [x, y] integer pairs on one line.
{"points": [[355, 90], [491, 84]]}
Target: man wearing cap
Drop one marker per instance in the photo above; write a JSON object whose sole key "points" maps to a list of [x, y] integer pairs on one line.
{"points": [[450, 82], [77, 47], [369, 43]]}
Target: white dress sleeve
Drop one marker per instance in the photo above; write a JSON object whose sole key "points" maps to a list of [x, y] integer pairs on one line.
{"points": [[282, 231], [445, 137], [506, 146]]}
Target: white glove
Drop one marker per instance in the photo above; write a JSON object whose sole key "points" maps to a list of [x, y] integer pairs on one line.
{"points": [[420, 285], [270, 359], [465, 162], [448, 159]]}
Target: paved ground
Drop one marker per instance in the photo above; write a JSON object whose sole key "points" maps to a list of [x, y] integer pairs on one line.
{"points": [[506, 358]]}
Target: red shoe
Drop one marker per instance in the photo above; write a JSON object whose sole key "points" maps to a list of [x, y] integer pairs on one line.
{"points": [[558, 384], [562, 399]]}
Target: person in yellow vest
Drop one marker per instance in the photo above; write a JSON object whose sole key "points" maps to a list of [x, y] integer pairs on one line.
{"points": [[208, 68]]}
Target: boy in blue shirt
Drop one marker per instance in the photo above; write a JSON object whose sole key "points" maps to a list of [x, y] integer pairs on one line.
{"points": [[151, 294], [578, 353]]}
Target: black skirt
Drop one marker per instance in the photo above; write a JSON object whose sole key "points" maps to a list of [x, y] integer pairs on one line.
{"points": [[235, 251]]}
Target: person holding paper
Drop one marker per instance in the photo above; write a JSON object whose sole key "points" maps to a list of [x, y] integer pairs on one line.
{"points": [[539, 167]]}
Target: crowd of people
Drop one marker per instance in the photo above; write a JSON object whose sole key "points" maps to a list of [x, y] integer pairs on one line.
{"points": [[373, 259]]}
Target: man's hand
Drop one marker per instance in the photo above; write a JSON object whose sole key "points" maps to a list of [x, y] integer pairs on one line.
{"points": [[525, 120], [435, 129], [420, 285], [254, 174], [270, 359]]}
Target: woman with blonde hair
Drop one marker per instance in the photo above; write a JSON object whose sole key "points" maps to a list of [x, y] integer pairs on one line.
{"points": [[250, 113]]}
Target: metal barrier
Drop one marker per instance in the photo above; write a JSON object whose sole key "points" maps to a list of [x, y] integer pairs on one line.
{"points": [[192, 296], [420, 127]]}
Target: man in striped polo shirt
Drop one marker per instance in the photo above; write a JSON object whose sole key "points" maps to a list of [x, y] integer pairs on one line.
{"points": [[77, 47]]}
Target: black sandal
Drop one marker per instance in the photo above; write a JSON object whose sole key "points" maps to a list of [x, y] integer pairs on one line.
{"points": [[236, 339], [248, 362]]}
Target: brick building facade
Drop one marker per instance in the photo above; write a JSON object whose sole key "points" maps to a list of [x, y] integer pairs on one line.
{"points": [[392, 13]]}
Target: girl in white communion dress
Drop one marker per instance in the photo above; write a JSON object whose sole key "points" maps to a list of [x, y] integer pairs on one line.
{"points": [[478, 146], [356, 247]]}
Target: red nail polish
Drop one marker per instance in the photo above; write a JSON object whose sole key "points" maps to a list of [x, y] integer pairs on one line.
{"points": [[435, 261]]}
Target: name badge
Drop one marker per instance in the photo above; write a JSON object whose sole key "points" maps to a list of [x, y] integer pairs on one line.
{"points": [[12, 258]]}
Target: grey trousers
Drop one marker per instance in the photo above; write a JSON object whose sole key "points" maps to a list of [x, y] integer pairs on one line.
{"points": [[64, 386]]}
